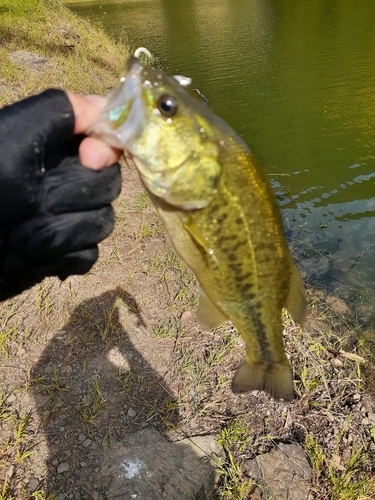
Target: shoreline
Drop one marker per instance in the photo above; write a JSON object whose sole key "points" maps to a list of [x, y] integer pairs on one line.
{"points": [[332, 419], [78, 57]]}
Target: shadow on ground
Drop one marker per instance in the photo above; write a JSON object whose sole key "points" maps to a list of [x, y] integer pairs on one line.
{"points": [[105, 411]]}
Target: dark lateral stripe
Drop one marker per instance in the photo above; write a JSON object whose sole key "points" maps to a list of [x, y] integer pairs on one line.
{"points": [[232, 256], [261, 246], [222, 239], [239, 244], [261, 334], [222, 217], [247, 275], [236, 267]]}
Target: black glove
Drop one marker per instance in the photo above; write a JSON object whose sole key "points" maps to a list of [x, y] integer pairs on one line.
{"points": [[53, 211]]}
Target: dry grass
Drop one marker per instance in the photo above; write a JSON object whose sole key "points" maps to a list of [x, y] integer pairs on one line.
{"points": [[328, 418], [91, 64], [125, 336]]}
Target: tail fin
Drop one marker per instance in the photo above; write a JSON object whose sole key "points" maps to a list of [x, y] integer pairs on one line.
{"points": [[276, 379]]}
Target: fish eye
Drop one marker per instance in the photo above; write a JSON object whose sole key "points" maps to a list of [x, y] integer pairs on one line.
{"points": [[167, 105]]}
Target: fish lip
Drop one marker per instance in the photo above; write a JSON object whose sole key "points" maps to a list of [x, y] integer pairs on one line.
{"points": [[122, 100], [130, 62]]}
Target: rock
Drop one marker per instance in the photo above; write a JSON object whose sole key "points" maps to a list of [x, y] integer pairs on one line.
{"points": [[63, 467], [371, 417], [286, 473], [367, 404], [336, 462], [252, 470], [153, 247], [317, 265], [204, 445], [32, 484], [131, 412], [337, 305], [187, 317], [66, 369], [10, 471], [32, 62], [147, 466], [68, 38], [337, 363], [81, 437]]}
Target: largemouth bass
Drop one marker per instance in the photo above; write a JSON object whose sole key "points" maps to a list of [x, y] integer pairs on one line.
{"points": [[219, 213]]}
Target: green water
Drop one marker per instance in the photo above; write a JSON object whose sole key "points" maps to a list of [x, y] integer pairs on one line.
{"points": [[296, 79]]}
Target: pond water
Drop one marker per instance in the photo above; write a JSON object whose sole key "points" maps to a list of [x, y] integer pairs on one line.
{"points": [[296, 79]]}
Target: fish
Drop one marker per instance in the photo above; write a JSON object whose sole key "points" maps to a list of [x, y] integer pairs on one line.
{"points": [[219, 213]]}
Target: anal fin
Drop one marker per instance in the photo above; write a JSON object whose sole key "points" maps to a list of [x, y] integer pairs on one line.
{"points": [[208, 315]]}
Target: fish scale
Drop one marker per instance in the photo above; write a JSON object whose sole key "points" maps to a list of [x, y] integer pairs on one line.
{"points": [[248, 267], [219, 213]]}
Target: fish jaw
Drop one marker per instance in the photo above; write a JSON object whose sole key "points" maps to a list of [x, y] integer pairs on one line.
{"points": [[122, 120], [175, 157]]}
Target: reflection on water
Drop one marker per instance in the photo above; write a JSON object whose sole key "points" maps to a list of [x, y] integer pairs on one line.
{"points": [[296, 80]]}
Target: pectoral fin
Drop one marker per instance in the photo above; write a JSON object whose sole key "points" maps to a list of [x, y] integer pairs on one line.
{"points": [[276, 379], [208, 315], [195, 232]]}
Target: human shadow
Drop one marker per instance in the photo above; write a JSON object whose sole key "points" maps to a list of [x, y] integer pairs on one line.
{"points": [[104, 412]]}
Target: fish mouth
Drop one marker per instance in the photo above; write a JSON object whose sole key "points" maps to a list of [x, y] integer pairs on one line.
{"points": [[120, 122]]}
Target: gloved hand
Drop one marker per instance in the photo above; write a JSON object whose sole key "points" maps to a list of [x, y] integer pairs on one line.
{"points": [[53, 211]]}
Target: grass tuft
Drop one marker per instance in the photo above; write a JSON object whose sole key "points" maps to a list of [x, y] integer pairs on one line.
{"points": [[90, 64]]}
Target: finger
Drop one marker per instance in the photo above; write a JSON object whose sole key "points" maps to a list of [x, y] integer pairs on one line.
{"points": [[58, 234], [65, 265], [86, 110], [70, 187], [22, 273], [95, 154], [76, 263]]}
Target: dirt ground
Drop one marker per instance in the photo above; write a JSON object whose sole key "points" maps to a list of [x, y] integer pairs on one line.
{"points": [[84, 363], [90, 361], [87, 363]]}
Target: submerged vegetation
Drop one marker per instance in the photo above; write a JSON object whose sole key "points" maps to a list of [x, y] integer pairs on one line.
{"points": [[78, 359]]}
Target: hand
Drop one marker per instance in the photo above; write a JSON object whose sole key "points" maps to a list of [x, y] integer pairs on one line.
{"points": [[53, 210], [92, 152]]}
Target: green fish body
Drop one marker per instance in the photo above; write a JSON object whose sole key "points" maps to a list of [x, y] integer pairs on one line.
{"points": [[219, 213]]}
